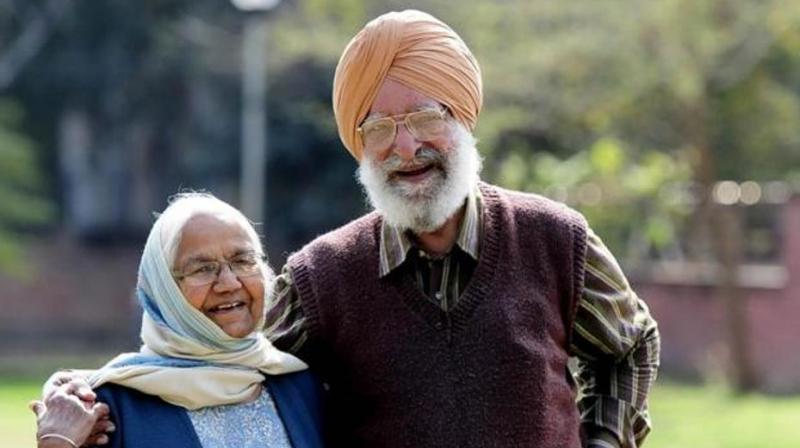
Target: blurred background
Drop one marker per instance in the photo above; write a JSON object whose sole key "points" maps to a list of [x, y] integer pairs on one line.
{"points": [[673, 125]]}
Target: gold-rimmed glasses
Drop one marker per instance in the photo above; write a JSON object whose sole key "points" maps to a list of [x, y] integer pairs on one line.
{"points": [[378, 134]]}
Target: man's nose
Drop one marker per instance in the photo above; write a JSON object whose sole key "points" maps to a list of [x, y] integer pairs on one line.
{"points": [[226, 280], [405, 144]]}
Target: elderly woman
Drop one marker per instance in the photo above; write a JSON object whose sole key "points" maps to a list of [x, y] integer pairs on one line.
{"points": [[205, 376]]}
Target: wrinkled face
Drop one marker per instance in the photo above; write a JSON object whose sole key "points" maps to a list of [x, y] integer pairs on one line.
{"points": [[417, 183], [234, 303]]}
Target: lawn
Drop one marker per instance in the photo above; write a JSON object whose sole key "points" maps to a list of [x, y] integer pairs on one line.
{"points": [[710, 417], [684, 416], [17, 423]]}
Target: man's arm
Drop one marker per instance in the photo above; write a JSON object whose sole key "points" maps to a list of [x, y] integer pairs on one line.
{"points": [[285, 323], [64, 420], [617, 345], [68, 403]]}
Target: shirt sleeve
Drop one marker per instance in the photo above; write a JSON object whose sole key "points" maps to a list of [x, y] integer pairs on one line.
{"points": [[285, 323], [616, 342]]}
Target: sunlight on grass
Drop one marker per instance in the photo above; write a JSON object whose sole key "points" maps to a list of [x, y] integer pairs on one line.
{"points": [[711, 417], [17, 423]]}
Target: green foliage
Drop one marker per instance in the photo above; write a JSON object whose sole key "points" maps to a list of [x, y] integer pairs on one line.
{"points": [[607, 156], [610, 104], [625, 194], [590, 98], [21, 185], [623, 99]]}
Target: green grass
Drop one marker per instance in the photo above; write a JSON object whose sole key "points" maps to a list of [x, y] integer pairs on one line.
{"points": [[683, 416], [711, 417], [17, 423]]}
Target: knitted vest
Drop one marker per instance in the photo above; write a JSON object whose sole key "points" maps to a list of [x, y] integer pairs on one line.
{"points": [[491, 372]]}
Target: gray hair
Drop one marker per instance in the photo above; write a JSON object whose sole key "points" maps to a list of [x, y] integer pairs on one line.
{"points": [[184, 206]]}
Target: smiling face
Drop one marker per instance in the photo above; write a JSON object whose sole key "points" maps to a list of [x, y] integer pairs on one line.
{"points": [[401, 159], [234, 303], [418, 184]]}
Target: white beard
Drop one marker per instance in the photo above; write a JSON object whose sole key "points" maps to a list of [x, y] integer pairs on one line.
{"points": [[426, 206]]}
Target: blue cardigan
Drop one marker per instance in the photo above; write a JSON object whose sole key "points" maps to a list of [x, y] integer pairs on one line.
{"points": [[147, 421]]}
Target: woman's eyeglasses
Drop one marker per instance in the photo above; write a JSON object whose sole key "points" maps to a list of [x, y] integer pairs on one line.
{"points": [[205, 272]]}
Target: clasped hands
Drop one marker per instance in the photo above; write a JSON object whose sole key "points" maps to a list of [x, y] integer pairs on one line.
{"points": [[68, 414]]}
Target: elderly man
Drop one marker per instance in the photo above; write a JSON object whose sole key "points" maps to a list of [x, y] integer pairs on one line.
{"points": [[446, 317]]}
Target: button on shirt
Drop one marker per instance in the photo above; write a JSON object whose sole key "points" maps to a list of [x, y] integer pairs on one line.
{"points": [[614, 338]]}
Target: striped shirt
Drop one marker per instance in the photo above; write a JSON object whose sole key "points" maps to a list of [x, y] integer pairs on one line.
{"points": [[614, 339]]}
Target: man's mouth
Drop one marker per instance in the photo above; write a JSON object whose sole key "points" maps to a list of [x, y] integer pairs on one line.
{"points": [[413, 174], [415, 171]]}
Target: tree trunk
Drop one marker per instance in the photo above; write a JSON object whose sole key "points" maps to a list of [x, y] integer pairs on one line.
{"points": [[727, 233], [723, 225]]}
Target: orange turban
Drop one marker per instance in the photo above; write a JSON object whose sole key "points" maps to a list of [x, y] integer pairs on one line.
{"points": [[414, 49]]}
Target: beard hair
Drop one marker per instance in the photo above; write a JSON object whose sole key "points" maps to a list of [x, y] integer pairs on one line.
{"points": [[425, 206]]}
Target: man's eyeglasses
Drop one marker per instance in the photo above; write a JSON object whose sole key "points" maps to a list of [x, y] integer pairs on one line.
{"points": [[379, 134], [206, 272]]}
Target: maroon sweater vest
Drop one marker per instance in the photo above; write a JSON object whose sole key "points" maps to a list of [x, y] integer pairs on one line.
{"points": [[492, 372]]}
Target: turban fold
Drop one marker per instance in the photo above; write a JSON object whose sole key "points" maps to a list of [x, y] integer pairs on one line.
{"points": [[414, 49]]}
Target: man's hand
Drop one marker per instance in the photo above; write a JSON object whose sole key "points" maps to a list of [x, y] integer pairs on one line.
{"points": [[73, 384], [80, 386], [65, 414]]}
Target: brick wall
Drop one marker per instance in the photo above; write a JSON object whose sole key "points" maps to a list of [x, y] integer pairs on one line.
{"points": [[76, 299], [691, 317]]}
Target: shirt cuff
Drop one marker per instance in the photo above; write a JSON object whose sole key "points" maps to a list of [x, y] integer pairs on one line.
{"points": [[597, 437], [627, 426]]}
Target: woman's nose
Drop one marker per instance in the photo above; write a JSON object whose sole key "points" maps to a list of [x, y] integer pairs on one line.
{"points": [[226, 280]]}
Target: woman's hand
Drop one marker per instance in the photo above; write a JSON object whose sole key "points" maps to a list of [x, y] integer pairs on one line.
{"points": [[65, 414]]}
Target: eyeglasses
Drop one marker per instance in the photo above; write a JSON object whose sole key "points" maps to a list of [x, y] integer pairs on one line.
{"points": [[207, 272], [425, 125]]}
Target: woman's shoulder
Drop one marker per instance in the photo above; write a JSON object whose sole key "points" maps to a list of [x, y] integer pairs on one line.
{"points": [[299, 399], [303, 386], [134, 405], [303, 378], [120, 396], [145, 420]]}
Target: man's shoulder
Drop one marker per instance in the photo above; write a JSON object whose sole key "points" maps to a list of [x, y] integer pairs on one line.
{"points": [[345, 238], [531, 204]]}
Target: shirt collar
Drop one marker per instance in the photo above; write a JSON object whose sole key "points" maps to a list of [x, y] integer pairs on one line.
{"points": [[395, 242]]}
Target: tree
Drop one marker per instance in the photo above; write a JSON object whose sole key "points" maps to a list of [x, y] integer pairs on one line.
{"points": [[21, 186], [712, 85]]}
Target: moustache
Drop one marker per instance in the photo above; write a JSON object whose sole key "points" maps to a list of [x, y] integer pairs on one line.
{"points": [[425, 156]]}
